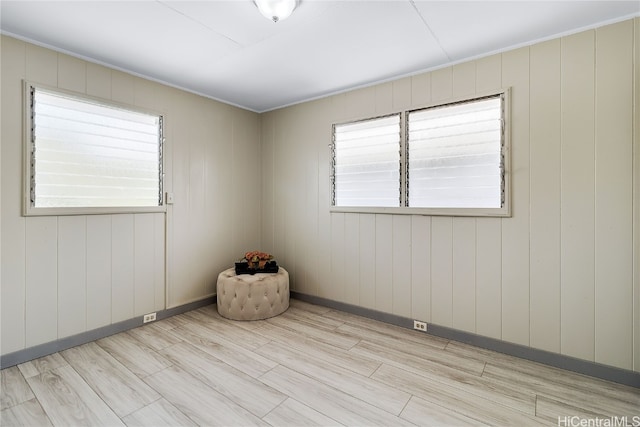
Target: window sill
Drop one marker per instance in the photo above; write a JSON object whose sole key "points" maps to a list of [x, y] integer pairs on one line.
{"points": [[30, 211], [504, 212]]}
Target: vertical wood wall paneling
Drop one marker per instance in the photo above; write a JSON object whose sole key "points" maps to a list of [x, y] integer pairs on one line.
{"points": [[294, 218], [238, 199], [41, 280], [147, 96], [489, 73], [515, 230], [286, 235], [421, 268], [41, 65], [72, 73], [545, 195], [360, 104], [159, 242], [246, 176], [442, 84], [420, 90], [223, 187], [367, 260], [179, 272], [401, 94], [384, 263], [336, 288], [281, 138], [614, 208], [99, 271], [209, 125], [293, 243], [144, 263], [464, 274], [464, 229], [72, 275], [267, 126], [178, 213], [464, 79], [98, 81], [489, 231], [323, 248], [12, 276], [577, 196], [122, 87], [636, 198], [199, 137], [122, 267], [205, 256], [401, 265], [352, 258], [1, 40], [489, 277], [442, 271], [297, 243], [168, 149], [384, 98], [315, 169]]}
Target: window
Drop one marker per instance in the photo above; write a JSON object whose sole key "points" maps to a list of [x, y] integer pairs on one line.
{"points": [[367, 162], [86, 156], [450, 159], [455, 155]]}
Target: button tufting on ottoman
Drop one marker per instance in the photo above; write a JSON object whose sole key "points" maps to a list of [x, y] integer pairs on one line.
{"points": [[252, 297]]}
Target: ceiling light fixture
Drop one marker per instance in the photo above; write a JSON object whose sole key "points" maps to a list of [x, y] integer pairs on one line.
{"points": [[276, 10]]}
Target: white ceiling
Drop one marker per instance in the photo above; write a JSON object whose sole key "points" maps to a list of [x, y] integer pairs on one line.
{"points": [[227, 51]]}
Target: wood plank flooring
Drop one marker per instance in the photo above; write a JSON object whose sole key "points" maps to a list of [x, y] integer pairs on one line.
{"points": [[310, 366]]}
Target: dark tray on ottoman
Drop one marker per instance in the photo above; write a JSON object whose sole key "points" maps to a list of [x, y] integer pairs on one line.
{"points": [[242, 267]]}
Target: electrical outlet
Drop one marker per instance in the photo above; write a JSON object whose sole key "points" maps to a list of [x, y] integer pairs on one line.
{"points": [[420, 326], [149, 318]]}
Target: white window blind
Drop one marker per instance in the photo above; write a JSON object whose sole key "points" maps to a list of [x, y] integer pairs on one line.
{"points": [[367, 163], [455, 155], [86, 154]]}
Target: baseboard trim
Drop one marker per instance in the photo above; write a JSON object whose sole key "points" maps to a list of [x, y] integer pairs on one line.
{"points": [[21, 356], [592, 369]]}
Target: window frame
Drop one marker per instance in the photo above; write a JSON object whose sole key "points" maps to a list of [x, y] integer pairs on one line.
{"points": [[28, 167], [503, 211]]}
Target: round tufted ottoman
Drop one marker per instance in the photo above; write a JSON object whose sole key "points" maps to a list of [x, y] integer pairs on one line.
{"points": [[252, 297]]}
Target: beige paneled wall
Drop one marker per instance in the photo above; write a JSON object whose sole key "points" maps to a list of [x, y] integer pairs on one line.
{"points": [[69, 274], [562, 274], [636, 202], [558, 275], [613, 187]]}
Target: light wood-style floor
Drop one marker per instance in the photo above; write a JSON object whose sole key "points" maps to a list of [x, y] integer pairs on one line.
{"points": [[310, 366]]}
